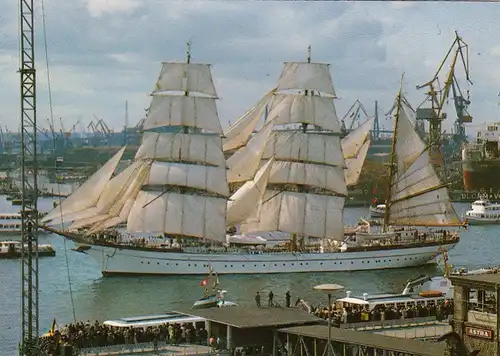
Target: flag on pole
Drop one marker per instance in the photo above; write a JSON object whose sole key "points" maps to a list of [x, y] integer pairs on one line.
{"points": [[204, 282], [53, 328]]}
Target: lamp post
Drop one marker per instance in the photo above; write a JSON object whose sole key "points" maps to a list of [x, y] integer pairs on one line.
{"points": [[329, 288]]}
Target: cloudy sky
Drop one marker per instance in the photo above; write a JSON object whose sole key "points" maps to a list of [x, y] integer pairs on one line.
{"points": [[103, 52]]}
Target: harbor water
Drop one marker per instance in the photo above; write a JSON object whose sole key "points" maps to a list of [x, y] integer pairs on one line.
{"points": [[94, 297]]}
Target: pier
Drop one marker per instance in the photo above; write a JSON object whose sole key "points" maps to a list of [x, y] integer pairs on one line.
{"points": [[292, 332]]}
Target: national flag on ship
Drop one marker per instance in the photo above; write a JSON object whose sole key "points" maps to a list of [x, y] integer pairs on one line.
{"points": [[204, 282]]}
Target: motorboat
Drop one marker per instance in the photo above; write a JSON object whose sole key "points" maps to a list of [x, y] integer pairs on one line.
{"points": [[214, 300], [483, 212]]}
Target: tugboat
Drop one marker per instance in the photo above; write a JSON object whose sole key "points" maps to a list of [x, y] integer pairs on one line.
{"points": [[216, 298]]}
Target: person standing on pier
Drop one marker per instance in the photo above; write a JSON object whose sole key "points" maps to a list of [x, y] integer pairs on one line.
{"points": [[257, 299], [270, 301], [287, 298]]}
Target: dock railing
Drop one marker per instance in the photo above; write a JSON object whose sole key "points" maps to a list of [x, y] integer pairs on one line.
{"points": [[392, 323], [421, 332], [149, 347]]}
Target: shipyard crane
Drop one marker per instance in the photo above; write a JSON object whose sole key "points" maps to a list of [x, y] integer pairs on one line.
{"points": [[463, 116], [354, 114], [438, 97], [29, 344]]}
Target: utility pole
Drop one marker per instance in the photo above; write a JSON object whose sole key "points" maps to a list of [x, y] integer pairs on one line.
{"points": [[29, 169]]}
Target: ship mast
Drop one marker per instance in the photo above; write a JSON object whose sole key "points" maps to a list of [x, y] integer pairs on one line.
{"points": [[185, 129], [393, 158], [293, 236]]}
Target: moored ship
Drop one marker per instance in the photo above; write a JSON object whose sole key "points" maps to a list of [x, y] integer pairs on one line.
{"points": [[481, 161]]}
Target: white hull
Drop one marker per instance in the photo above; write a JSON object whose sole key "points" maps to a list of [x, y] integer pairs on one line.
{"points": [[481, 221], [120, 261]]}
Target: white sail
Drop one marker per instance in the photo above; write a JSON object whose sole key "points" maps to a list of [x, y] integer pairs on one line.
{"points": [[417, 195], [179, 214], [177, 110], [118, 213], [311, 175], [238, 134], [180, 147], [244, 163], [212, 179], [304, 147], [191, 77], [185, 191], [245, 200], [306, 185], [314, 110], [354, 165], [115, 190], [307, 214], [306, 76], [87, 194], [88, 221], [352, 143]]}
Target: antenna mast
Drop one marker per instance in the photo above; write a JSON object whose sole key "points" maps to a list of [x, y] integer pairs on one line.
{"points": [[29, 170]]}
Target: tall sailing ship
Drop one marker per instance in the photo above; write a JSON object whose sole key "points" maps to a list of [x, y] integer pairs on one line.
{"points": [[289, 177]]}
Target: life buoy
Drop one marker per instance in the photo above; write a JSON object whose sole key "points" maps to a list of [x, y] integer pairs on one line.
{"points": [[430, 293]]}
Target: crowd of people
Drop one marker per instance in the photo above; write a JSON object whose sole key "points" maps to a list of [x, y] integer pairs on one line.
{"points": [[358, 313], [85, 335]]}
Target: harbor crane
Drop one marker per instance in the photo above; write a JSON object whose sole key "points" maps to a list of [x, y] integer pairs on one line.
{"points": [[438, 97], [29, 343], [354, 114]]}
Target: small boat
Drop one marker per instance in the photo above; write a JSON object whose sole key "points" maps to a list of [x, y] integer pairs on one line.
{"points": [[474, 272], [483, 212], [377, 211], [214, 299], [13, 249], [19, 201]]}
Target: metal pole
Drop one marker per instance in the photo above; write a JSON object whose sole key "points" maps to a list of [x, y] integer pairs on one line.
{"points": [[329, 322], [29, 172]]}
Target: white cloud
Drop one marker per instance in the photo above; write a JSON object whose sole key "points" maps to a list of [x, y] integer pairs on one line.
{"points": [[402, 4], [105, 52], [97, 8]]}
